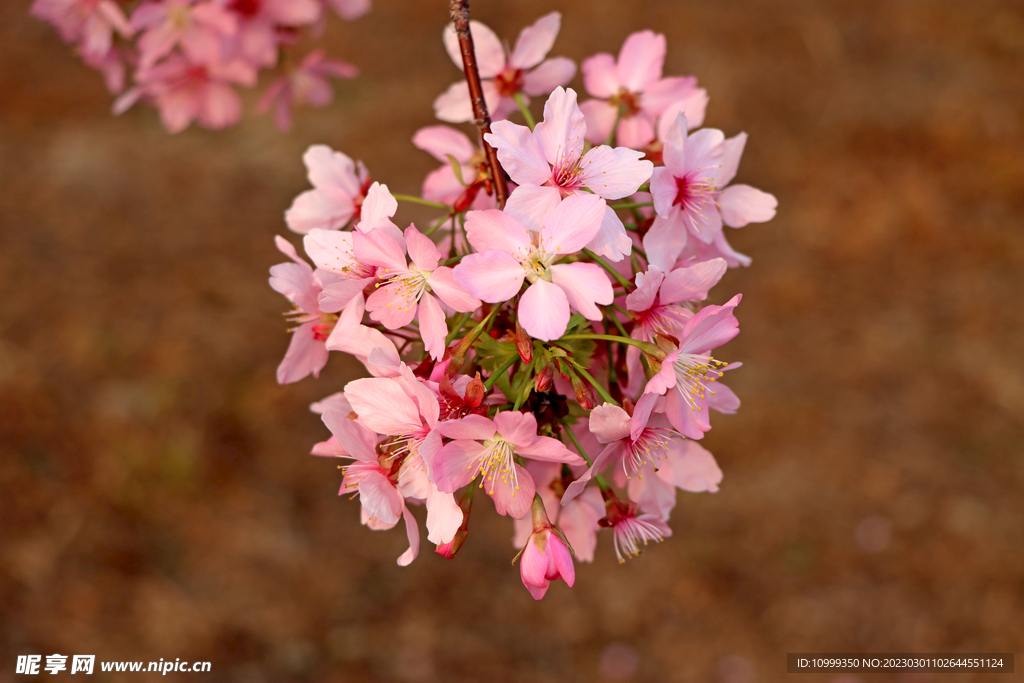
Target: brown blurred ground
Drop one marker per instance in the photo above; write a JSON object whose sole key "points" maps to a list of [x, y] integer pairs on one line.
{"points": [[157, 496]]}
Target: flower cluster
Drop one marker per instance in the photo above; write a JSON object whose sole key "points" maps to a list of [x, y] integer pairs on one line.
{"points": [[187, 57], [555, 350]]}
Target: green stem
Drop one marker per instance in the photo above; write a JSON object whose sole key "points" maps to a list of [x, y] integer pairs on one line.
{"points": [[468, 340], [631, 205], [615, 320], [433, 228], [600, 389], [499, 372], [424, 202], [648, 348], [607, 266], [525, 110], [615, 128], [576, 443], [456, 329]]}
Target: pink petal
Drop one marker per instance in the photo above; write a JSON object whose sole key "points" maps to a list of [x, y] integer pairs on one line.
{"points": [[615, 173], [178, 108], [519, 152], [457, 464], [599, 76], [711, 327], [433, 327], [442, 185], [658, 96], [442, 283], [647, 284], [578, 521], [378, 208], [382, 405], [533, 567], [609, 423], [692, 107], [693, 283], [392, 306], [496, 230], [358, 441], [412, 532], [378, 248], [444, 516], [664, 188], [471, 427], [512, 497], [731, 159], [423, 252], [548, 75], [665, 240], [490, 55], [561, 132], [296, 282], [635, 131], [743, 204], [535, 41], [493, 276], [515, 427], [705, 148], [674, 141], [328, 168], [688, 421], [546, 449], [562, 560], [543, 310], [651, 492], [531, 204], [641, 60], [572, 224], [305, 356], [221, 107], [454, 105], [600, 117], [318, 209], [440, 141], [380, 499], [350, 9], [723, 399], [584, 284], [641, 414], [693, 469]]}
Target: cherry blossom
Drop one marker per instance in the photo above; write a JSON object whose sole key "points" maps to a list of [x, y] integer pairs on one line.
{"points": [[307, 354], [546, 556], [307, 84], [339, 188], [524, 72]]}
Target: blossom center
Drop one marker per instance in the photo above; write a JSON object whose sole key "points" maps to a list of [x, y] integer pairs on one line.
{"points": [[628, 102], [693, 374], [695, 192], [537, 265], [498, 462], [509, 82], [247, 8], [646, 448], [406, 286]]}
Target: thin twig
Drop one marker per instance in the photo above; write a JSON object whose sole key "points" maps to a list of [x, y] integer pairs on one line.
{"points": [[460, 16]]}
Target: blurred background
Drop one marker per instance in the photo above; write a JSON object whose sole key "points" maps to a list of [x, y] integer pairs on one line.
{"points": [[157, 496]]}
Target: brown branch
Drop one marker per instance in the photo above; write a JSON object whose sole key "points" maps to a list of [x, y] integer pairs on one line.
{"points": [[460, 15]]}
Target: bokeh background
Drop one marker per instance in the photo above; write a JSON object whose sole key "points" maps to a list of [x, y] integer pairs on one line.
{"points": [[157, 496]]}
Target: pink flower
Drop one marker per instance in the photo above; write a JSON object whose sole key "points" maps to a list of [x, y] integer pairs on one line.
{"points": [[90, 23], [549, 162], [442, 185], [687, 371], [633, 88], [339, 187], [370, 475], [406, 410], [198, 28], [489, 448], [184, 92], [546, 557], [340, 274], [511, 253], [306, 353], [367, 344], [257, 38], [634, 530], [688, 194], [306, 84], [524, 72], [406, 290], [656, 305]]}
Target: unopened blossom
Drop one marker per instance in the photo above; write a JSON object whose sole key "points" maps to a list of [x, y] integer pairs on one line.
{"points": [[546, 556], [199, 27], [307, 84], [631, 90], [489, 448], [89, 23], [549, 162], [372, 476], [463, 190], [306, 353], [690, 193], [510, 253], [689, 371], [185, 91], [339, 188], [258, 37], [524, 72], [412, 290]]}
